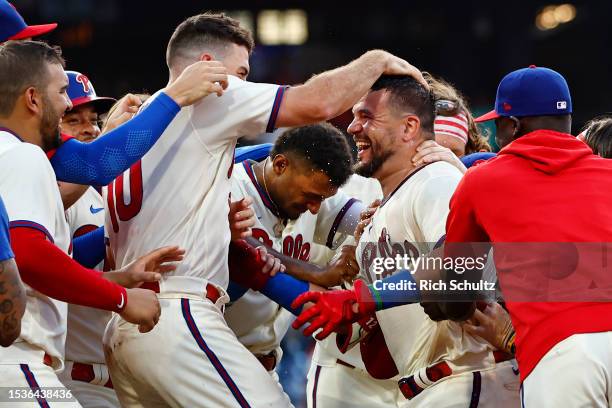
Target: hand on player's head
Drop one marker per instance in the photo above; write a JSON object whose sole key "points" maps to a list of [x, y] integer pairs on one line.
{"points": [[399, 66], [197, 81]]}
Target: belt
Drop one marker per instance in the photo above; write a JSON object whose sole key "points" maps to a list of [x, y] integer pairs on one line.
{"points": [[212, 293], [267, 360], [410, 388], [85, 373]]}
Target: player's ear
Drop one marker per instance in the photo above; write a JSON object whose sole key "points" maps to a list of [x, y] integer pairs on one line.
{"points": [[33, 100], [207, 57], [411, 127], [280, 164]]}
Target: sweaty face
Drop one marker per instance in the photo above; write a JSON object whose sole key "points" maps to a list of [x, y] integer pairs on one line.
{"points": [[55, 103], [82, 123], [375, 129], [236, 61], [300, 188]]}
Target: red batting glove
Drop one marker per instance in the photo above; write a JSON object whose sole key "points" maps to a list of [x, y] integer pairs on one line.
{"points": [[333, 309]]}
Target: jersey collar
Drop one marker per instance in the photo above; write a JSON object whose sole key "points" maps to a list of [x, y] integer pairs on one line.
{"points": [[402, 183], [265, 198], [3, 129]]}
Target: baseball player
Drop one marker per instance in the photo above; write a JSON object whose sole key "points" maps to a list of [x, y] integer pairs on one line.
{"points": [[439, 363], [190, 200], [85, 372], [296, 206], [13, 27], [30, 112], [336, 379], [332, 373], [12, 297], [561, 346]]}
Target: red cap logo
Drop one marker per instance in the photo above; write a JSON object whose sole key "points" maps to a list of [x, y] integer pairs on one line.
{"points": [[83, 80], [506, 106]]}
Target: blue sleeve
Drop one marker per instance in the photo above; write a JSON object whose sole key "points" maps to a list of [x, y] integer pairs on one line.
{"points": [[255, 152], [5, 241], [89, 249], [284, 289], [101, 161], [281, 288], [395, 290], [235, 291]]}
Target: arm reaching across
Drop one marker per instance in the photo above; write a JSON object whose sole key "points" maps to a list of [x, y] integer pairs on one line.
{"points": [[332, 93], [101, 161]]}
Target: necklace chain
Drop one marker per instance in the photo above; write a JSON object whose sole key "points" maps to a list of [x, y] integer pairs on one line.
{"points": [[263, 175]]}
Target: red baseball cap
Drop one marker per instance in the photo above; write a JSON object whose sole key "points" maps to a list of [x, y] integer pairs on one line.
{"points": [[13, 27]]}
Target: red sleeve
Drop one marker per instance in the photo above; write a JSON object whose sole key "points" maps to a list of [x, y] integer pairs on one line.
{"points": [[64, 138], [47, 269]]}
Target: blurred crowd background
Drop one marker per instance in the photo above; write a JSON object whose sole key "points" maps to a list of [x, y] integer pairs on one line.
{"points": [[120, 45]]}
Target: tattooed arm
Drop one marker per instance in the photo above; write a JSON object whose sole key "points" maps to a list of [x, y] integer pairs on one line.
{"points": [[12, 302]]}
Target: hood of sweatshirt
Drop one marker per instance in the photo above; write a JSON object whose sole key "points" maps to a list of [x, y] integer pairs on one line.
{"points": [[547, 151]]}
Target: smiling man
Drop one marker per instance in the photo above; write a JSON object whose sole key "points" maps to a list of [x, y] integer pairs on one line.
{"points": [[441, 365], [82, 121]]}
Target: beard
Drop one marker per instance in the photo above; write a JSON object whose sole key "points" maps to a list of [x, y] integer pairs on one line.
{"points": [[49, 127], [368, 169]]}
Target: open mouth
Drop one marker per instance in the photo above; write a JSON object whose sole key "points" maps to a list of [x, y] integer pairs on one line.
{"points": [[363, 147]]}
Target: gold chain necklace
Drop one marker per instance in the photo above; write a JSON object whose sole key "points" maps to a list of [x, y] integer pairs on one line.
{"points": [[263, 175]]}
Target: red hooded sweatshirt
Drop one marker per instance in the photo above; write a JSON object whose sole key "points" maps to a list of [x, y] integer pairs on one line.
{"points": [[544, 187]]}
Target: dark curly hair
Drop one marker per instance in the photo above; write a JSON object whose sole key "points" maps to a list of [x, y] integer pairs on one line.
{"points": [[321, 145]]}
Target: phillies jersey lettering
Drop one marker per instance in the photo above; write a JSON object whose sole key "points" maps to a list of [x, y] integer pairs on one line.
{"points": [[259, 323], [414, 217]]}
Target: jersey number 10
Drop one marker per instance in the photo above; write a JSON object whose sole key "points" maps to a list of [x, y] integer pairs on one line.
{"points": [[125, 212]]}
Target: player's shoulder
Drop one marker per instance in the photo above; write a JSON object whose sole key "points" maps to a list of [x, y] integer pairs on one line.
{"points": [[27, 153], [440, 169], [247, 88], [434, 176], [242, 183], [240, 173]]}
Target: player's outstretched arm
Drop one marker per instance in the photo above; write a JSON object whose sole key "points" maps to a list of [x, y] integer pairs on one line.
{"points": [[343, 267], [101, 161], [56, 275], [336, 308], [246, 269], [332, 93]]}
